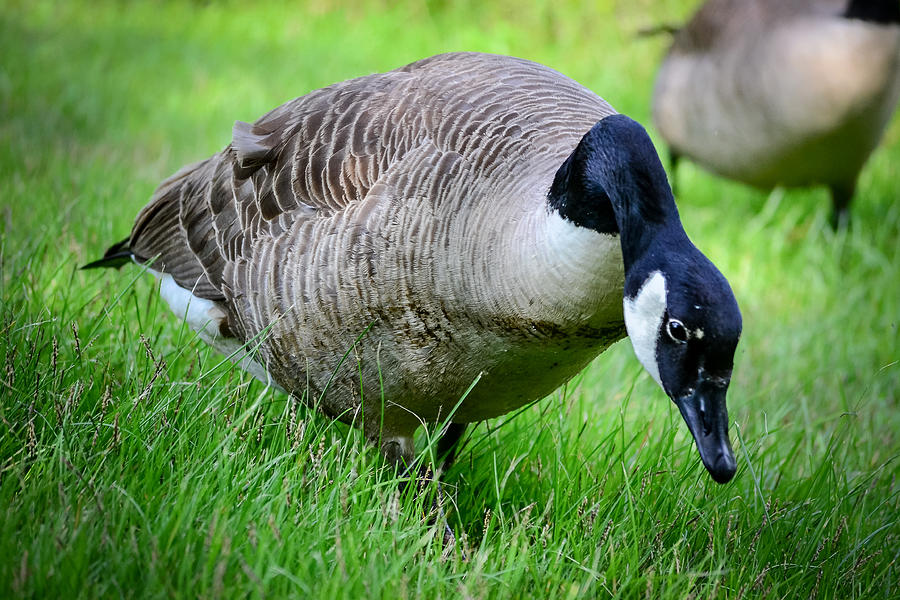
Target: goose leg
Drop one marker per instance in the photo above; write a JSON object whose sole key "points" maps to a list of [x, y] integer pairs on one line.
{"points": [[447, 447], [841, 195], [448, 444], [398, 450], [401, 452]]}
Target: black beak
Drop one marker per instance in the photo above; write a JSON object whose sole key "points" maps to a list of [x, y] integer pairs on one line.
{"points": [[706, 416]]}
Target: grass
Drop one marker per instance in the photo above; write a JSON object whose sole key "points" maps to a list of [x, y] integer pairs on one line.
{"points": [[134, 462]]}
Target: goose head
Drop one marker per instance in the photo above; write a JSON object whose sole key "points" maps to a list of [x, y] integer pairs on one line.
{"points": [[684, 328], [680, 313]]}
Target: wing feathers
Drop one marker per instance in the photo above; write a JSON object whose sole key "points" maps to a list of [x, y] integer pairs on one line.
{"points": [[318, 155], [252, 149]]}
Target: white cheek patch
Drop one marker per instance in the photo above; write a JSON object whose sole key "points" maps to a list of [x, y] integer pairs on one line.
{"points": [[643, 318]]}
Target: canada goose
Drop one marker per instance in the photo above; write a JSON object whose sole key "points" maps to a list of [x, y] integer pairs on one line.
{"points": [[782, 92], [464, 216]]}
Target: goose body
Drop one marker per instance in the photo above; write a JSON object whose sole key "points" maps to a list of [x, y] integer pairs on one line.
{"points": [[377, 246], [782, 92]]}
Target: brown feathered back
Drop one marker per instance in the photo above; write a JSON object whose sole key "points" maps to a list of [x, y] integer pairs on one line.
{"points": [[322, 152]]}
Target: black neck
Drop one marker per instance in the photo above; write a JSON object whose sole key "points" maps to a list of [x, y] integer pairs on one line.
{"points": [[614, 183], [876, 11]]}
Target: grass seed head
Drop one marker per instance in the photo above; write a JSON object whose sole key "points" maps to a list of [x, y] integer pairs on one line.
{"points": [[814, 592], [592, 517], [545, 535], [728, 530], [36, 395], [75, 393], [819, 548], [840, 531], [31, 443], [605, 534], [757, 583], [77, 339], [487, 521], [117, 434], [861, 562], [54, 355], [11, 366], [105, 401], [147, 349]]}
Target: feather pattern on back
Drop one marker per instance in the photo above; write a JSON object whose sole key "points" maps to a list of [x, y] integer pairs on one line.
{"points": [[352, 209]]}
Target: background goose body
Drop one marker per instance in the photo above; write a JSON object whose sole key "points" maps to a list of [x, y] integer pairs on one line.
{"points": [[782, 92], [403, 219]]}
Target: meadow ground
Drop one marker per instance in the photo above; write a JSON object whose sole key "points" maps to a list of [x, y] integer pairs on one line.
{"points": [[134, 463]]}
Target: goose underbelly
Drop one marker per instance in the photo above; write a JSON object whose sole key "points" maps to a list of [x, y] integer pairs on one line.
{"points": [[521, 318], [519, 374]]}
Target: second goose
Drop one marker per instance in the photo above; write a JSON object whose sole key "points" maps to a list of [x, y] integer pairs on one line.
{"points": [[782, 92]]}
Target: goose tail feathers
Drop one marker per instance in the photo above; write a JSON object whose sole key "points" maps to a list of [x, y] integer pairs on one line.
{"points": [[117, 255]]}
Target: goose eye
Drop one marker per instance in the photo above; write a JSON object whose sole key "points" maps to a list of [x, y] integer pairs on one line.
{"points": [[677, 331]]}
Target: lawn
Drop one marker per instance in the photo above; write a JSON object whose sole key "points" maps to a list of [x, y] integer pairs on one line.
{"points": [[134, 462]]}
